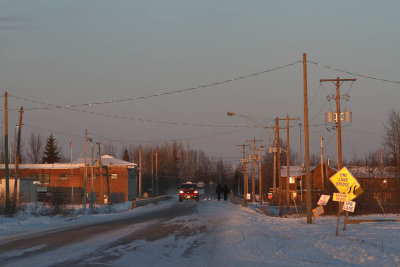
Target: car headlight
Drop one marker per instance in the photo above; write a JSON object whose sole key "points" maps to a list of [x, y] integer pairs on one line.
{"points": [[180, 191], [196, 192]]}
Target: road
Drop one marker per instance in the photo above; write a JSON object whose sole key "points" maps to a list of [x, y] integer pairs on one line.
{"points": [[102, 243]]}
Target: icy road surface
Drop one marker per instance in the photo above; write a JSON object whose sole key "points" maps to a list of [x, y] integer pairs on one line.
{"points": [[207, 234]]}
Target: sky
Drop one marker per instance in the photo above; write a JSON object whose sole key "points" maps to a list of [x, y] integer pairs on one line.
{"points": [[65, 53]]}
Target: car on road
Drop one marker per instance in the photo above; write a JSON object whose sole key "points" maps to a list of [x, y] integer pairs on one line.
{"points": [[188, 190]]}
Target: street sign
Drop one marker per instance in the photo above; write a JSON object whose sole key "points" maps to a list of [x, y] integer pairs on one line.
{"points": [[345, 182], [349, 206], [318, 211], [323, 200], [340, 197], [269, 195]]}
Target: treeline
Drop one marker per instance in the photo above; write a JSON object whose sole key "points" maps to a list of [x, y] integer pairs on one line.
{"points": [[174, 159]]}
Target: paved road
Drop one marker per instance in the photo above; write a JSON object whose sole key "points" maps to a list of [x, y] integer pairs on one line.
{"points": [[95, 244]]}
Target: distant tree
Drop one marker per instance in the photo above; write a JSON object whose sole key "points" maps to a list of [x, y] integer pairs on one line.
{"points": [[110, 149], [125, 155], [391, 142], [35, 148], [51, 152]]}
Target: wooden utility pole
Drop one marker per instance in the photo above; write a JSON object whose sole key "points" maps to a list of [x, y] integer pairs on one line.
{"points": [[275, 178], [338, 81], [6, 152], [244, 161], [152, 175], [307, 145], [260, 176], [322, 165], [253, 174], [288, 159], [92, 178], [101, 175], [156, 173], [85, 175], [18, 154], [140, 172], [279, 167]]}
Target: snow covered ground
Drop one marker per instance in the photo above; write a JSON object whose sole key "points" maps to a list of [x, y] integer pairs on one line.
{"points": [[224, 234]]}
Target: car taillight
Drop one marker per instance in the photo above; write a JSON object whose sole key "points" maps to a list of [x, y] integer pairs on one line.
{"points": [[196, 192]]}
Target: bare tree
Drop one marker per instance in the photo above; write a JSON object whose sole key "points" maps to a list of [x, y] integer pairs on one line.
{"points": [[35, 148], [110, 149], [391, 142]]}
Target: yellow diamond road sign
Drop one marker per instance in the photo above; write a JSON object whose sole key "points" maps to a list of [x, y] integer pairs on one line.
{"points": [[346, 183]]}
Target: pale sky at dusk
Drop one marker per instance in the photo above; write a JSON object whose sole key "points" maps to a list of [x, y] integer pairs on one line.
{"points": [[87, 51]]}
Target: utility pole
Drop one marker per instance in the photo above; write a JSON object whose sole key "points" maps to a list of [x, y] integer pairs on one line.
{"points": [[91, 174], [307, 145], [6, 152], [156, 173], [322, 164], [288, 159], [18, 156], [275, 178], [140, 172], [85, 175], [253, 178], [338, 81], [244, 161], [101, 175], [279, 167], [152, 176], [260, 176]]}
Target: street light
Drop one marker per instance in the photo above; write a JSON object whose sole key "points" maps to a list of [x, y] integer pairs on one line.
{"points": [[255, 157]]}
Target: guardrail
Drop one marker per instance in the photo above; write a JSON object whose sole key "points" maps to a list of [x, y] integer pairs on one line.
{"points": [[144, 202]]}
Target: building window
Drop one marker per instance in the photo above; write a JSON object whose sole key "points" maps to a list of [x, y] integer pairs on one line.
{"points": [[114, 175], [44, 178], [63, 176], [35, 176]]}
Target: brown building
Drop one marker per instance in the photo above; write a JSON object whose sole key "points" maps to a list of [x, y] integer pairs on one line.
{"points": [[115, 181], [297, 178]]}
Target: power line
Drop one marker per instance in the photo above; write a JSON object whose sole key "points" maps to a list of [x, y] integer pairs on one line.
{"points": [[352, 73], [165, 93], [132, 118]]}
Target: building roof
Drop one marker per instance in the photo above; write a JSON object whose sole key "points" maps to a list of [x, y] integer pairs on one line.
{"points": [[107, 160], [371, 172], [294, 171]]}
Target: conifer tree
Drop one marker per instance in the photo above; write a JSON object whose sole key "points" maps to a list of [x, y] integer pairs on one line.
{"points": [[125, 155], [51, 152]]}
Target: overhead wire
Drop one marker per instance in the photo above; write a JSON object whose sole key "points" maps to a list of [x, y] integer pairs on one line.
{"points": [[352, 73], [169, 92]]}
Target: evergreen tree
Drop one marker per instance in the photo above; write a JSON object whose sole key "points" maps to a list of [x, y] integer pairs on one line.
{"points": [[51, 152], [126, 155]]}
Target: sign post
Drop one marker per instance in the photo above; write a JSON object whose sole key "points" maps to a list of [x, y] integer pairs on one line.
{"points": [[346, 184]]}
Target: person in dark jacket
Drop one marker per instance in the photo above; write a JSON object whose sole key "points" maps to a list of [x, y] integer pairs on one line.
{"points": [[219, 191], [226, 191]]}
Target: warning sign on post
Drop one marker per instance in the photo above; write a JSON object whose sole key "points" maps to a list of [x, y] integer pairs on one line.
{"points": [[323, 200], [345, 182], [318, 211], [349, 206], [340, 197]]}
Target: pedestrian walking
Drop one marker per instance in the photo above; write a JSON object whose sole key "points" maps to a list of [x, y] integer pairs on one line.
{"points": [[219, 191], [226, 191]]}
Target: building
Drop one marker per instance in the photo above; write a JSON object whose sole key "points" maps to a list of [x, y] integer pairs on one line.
{"points": [[26, 189], [115, 181], [297, 178]]}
